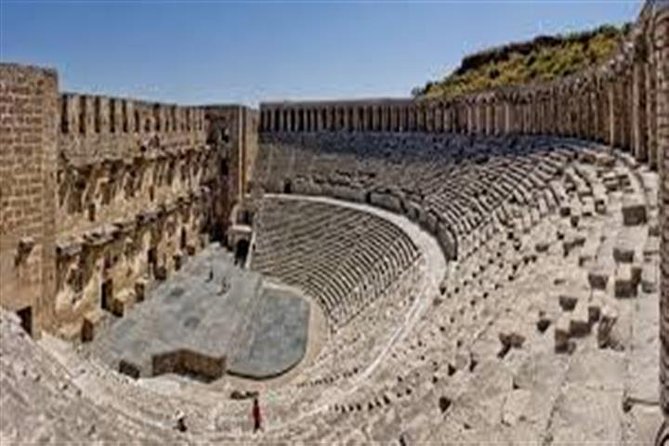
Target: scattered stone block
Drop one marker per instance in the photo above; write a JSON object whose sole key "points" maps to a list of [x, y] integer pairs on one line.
{"points": [[605, 327], [140, 290], [541, 246], [91, 323], [543, 323], [623, 253], [648, 279], [651, 247], [585, 259], [605, 160], [513, 339], [572, 241], [579, 324], [598, 277], [636, 274], [160, 272], [561, 335], [121, 304], [574, 220], [634, 211], [600, 205], [444, 404], [594, 309], [610, 182], [128, 368], [509, 340], [624, 286], [568, 303], [588, 209]]}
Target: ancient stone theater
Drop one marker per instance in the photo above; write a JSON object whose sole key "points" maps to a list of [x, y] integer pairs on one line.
{"points": [[487, 267]]}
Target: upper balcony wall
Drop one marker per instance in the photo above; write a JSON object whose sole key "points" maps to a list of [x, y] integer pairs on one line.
{"points": [[96, 127]]}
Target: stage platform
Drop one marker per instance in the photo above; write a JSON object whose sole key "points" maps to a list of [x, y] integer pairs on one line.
{"points": [[209, 319]]}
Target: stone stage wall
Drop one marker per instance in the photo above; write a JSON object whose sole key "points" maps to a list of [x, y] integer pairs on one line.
{"points": [[102, 196]]}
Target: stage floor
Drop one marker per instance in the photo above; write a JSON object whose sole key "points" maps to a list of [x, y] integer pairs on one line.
{"points": [[212, 309]]}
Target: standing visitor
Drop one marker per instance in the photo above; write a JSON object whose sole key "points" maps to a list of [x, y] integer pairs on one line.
{"points": [[257, 417]]}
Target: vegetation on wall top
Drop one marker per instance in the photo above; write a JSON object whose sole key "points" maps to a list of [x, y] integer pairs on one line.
{"points": [[542, 59]]}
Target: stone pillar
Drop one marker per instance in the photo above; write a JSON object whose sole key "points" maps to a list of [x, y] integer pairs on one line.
{"points": [[387, 121], [651, 88], [612, 139], [28, 149], [439, 117], [625, 109], [639, 111]]}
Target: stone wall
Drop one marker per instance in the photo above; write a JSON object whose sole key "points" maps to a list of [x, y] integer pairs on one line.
{"points": [[28, 135], [135, 182], [234, 128], [102, 196]]}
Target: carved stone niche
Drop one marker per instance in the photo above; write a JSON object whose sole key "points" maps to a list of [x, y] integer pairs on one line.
{"points": [[23, 249]]}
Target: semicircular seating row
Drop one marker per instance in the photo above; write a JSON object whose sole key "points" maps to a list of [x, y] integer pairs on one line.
{"points": [[342, 257], [142, 414], [450, 184]]}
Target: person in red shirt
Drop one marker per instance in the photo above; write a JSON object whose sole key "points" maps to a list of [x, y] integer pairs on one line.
{"points": [[257, 417]]}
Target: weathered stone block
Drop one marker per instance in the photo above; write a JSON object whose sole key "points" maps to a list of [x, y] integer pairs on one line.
{"points": [[541, 246], [605, 327], [623, 253], [121, 303], [648, 278], [91, 323], [594, 310], [568, 303], [561, 335], [579, 324], [624, 285], [634, 211], [140, 290], [598, 278]]}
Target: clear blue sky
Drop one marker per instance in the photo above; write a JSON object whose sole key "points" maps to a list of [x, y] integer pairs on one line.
{"points": [[214, 51]]}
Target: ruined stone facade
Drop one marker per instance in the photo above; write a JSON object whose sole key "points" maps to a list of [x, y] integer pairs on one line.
{"points": [[101, 196]]}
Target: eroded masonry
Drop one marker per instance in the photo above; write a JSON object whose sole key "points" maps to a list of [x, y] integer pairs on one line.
{"points": [[491, 267]]}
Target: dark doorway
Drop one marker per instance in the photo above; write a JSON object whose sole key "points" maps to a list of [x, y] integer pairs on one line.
{"points": [[246, 218], [184, 239], [26, 316], [241, 251], [152, 260], [287, 187], [106, 294]]}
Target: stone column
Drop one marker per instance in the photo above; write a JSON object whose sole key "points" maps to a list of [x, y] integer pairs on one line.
{"points": [[639, 111], [612, 139], [651, 88]]}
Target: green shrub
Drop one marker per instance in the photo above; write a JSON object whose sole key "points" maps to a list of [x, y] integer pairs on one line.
{"points": [[542, 59]]}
